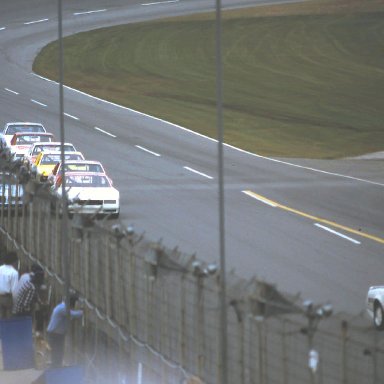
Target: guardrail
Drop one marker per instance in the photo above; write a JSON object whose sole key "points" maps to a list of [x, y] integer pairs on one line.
{"points": [[152, 313]]}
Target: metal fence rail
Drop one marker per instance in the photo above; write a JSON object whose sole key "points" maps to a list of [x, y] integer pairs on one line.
{"points": [[152, 313]]}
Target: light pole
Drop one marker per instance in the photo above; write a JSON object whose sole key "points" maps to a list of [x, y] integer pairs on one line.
{"points": [[64, 223], [223, 296]]}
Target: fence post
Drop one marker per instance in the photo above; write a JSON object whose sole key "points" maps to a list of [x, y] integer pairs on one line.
{"points": [[150, 310], [3, 197], [374, 357], [241, 348], [132, 266], [200, 325], [22, 224], [56, 257], [48, 229], [16, 213], [31, 214], [37, 250], [238, 306], [182, 322], [259, 323], [344, 338], [107, 278], [285, 357], [132, 297], [9, 211]]}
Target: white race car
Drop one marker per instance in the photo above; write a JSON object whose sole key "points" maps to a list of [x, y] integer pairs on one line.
{"points": [[89, 193], [11, 128], [36, 148], [375, 305]]}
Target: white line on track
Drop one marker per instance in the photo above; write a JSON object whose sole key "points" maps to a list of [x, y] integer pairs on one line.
{"points": [[147, 150], [38, 102], [88, 12], [36, 21], [105, 132], [337, 233], [10, 90], [259, 198], [198, 173], [2, 28], [71, 116], [161, 2], [214, 140]]}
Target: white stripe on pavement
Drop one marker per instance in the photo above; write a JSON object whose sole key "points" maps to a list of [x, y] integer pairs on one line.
{"points": [[35, 21], [38, 102], [89, 12], [147, 150], [198, 173], [337, 233], [105, 132]]}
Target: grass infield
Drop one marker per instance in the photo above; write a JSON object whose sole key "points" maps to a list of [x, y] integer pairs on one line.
{"points": [[300, 80]]}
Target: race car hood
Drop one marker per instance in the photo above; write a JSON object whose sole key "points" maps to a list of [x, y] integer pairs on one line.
{"points": [[93, 193]]}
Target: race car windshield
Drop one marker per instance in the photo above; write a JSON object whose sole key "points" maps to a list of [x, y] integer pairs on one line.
{"points": [[84, 167], [12, 129], [29, 139], [50, 159], [85, 181], [53, 148]]}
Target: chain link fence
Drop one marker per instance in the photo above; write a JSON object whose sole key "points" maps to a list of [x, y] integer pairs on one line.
{"points": [[152, 313]]}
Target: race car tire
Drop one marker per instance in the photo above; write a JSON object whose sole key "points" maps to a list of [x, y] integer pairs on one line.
{"points": [[378, 316]]}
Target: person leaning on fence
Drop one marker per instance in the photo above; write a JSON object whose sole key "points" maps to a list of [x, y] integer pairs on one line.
{"points": [[58, 327], [27, 294], [9, 277]]}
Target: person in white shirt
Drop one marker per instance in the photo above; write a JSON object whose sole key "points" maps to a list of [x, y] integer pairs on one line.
{"points": [[8, 282]]}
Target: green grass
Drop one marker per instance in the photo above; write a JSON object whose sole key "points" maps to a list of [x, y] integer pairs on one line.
{"points": [[302, 80]]}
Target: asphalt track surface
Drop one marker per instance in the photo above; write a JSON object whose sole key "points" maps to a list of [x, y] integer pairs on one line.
{"points": [[314, 227]]}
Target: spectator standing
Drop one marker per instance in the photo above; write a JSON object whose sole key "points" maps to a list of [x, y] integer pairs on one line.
{"points": [[27, 294], [27, 276], [58, 327], [40, 307], [8, 282]]}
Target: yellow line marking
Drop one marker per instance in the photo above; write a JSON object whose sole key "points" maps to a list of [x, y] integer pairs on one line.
{"points": [[314, 218]]}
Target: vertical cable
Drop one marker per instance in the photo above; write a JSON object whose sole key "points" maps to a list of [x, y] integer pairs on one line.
{"points": [[220, 133], [64, 223]]}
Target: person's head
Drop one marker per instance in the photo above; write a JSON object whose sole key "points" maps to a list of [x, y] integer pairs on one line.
{"points": [[73, 297], [10, 258], [37, 278], [36, 268]]}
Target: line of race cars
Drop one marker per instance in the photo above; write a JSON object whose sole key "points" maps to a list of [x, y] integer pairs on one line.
{"points": [[89, 190]]}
